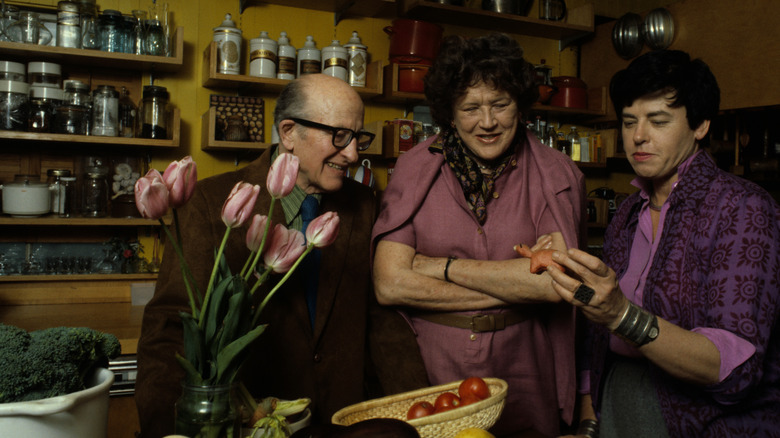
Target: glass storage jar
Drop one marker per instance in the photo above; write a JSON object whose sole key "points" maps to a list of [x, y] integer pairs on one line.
{"points": [[13, 71], [44, 74], [105, 111], [54, 179], [154, 112], [43, 105], [68, 25], [67, 201], [110, 31], [95, 192], [14, 105], [127, 114]]}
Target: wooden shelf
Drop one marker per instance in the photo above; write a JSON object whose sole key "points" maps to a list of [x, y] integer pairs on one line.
{"points": [[391, 93], [53, 220], [70, 139], [212, 79], [76, 277], [97, 58], [208, 140], [362, 8], [579, 22]]}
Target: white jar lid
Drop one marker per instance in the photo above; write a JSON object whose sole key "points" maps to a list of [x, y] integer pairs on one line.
{"points": [[12, 67], [46, 92], [74, 84], [44, 67], [14, 87]]}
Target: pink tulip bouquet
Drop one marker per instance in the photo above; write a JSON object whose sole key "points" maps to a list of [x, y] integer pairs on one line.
{"points": [[223, 320]]}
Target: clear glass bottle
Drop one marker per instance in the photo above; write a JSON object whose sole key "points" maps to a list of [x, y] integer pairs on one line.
{"points": [[574, 141], [154, 112], [127, 114], [89, 32], [138, 33], [105, 111]]}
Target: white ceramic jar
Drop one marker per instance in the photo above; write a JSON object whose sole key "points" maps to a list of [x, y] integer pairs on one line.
{"points": [[335, 60], [309, 58], [286, 65], [228, 38], [358, 61], [262, 56]]}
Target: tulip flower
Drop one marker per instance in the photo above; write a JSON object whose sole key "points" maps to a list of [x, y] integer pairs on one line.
{"points": [[282, 175], [254, 236], [180, 177], [323, 229], [151, 195], [284, 248], [239, 204]]}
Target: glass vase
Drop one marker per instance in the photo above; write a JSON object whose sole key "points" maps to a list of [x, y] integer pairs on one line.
{"points": [[208, 412]]}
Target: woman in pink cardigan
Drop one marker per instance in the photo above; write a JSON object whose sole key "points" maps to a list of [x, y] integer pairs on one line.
{"points": [[454, 209]]}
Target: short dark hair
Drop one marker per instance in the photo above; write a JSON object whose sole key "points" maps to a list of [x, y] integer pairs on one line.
{"points": [[495, 59], [668, 71]]}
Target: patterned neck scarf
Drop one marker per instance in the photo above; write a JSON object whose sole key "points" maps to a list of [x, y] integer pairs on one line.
{"points": [[477, 187]]}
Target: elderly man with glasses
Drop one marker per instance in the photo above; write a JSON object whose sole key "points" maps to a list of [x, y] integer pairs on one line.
{"points": [[327, 339]]}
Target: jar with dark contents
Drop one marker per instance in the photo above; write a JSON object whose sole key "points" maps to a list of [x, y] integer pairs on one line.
{"points": [[95, 192], [43, 105], [14, 105], [127, 114], [154, 112]]}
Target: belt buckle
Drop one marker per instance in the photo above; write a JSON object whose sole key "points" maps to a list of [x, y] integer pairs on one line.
{"points": [[487, 323]]}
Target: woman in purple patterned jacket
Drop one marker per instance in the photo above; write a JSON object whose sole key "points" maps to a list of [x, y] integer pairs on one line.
{"points": [[684, 334]]}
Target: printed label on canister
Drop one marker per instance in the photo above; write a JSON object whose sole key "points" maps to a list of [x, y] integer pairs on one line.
{"points": [[262, 54], [286, 65], [335, 62], [357, 69], [310, 66]]}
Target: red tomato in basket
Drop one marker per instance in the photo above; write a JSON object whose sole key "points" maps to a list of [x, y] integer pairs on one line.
{"points": [[472, 390], [419, 410], [446, 401]]}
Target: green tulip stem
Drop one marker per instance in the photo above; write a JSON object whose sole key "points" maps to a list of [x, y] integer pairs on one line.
{"points": [[214, 273], [278, 285], [185, 270], [246, 273]]}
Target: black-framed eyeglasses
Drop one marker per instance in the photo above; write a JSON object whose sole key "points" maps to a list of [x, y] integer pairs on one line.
{"points": [[341, 136]]}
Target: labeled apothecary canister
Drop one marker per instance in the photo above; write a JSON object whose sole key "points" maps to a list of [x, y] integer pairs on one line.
{"points": [[228, 39]]}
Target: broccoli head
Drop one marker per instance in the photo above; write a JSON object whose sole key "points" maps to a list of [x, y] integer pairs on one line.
{"points": [[50, 362]]}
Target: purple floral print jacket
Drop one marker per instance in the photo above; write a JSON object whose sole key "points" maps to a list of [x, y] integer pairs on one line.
{"points": [[717, 265]]}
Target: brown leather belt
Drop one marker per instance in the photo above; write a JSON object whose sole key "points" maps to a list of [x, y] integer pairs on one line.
{"points": [[484, 322]]}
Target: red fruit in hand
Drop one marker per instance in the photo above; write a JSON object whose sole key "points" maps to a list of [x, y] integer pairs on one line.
{"points": [[446, 401], [540, 259], [419, 410], [473, 389]]}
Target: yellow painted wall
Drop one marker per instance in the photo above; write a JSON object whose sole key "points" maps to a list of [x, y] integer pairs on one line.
{"points": [[199, 17]]}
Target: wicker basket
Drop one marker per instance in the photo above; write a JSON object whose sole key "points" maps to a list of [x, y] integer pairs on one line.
{"points": [[482, 414]]}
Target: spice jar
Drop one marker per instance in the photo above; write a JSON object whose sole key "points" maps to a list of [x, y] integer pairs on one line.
{"points": [[14, 105], [43, 104], [154, 112], [54, 179], [95, 192], [68, 25], [110, 31], [105, 111]]}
